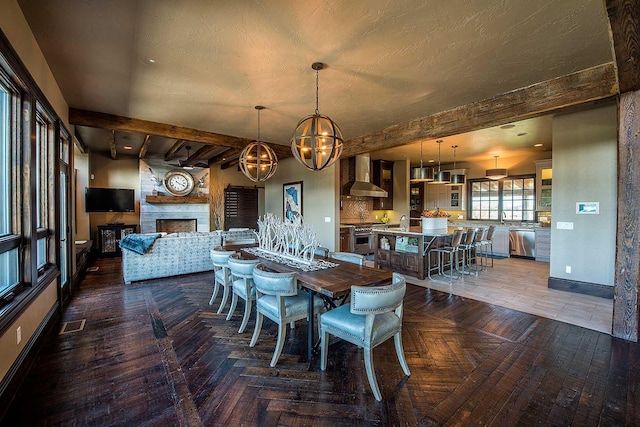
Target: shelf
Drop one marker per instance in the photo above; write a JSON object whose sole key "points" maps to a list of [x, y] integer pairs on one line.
{"points": [[176, 200]]}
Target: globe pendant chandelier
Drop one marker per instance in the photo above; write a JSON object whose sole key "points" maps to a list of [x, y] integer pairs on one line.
{"points": [[441, 177], [258, 161], [317, 141], [456, 179]]}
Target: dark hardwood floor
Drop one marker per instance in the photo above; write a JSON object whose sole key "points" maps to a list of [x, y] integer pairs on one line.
{"points": [[155, 353]]}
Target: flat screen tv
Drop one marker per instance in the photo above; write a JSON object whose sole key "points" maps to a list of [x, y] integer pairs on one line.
{"points": [[109, 200]]}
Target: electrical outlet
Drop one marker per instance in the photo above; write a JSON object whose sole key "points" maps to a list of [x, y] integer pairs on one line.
{"points": [[18, 335], [567, 269]]}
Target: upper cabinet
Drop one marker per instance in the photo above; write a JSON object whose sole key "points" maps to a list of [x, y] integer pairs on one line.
{"points": [[445, 197], [382, 176], [543, 184]]}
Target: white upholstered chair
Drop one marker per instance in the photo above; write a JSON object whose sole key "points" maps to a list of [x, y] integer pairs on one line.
{"points": [[348, 257], [222, 276], [242, 285], [278, 298], [374, 316]]}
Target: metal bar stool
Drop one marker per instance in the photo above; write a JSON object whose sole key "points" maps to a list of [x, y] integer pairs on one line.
{"points": [[487, 243], [451, 251], [466, 247]]}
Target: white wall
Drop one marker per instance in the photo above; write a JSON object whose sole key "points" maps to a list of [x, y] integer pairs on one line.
{"points": [[320, 197], [584, 170]]}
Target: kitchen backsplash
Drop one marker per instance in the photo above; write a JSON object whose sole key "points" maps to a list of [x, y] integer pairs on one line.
{"points": [[356, 210]]}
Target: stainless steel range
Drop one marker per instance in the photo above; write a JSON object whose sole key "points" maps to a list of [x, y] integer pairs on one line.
{"points": [[363, 239]]}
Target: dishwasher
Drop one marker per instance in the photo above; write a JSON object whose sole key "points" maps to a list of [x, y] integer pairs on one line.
{"points": [[522, 243]]}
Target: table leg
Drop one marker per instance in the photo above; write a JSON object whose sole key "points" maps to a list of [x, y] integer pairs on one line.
{"points": [[310, 327]]}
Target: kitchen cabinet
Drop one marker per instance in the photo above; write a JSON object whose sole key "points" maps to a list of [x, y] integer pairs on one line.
{"points": [[346, 239], [543, 184], [416, 196], [382, 176], [445, 197], [109, 237], [543, 244]]}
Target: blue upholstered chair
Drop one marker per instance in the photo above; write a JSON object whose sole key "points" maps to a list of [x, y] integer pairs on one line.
{"points": [[348, 257], [278, 298], [374, 316], [242, 285], [222, 276]]}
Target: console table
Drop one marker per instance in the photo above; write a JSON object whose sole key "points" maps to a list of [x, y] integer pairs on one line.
{"points": [[109, 236]]}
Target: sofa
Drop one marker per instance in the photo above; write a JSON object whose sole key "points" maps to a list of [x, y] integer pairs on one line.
{"points": [[179, 253]]}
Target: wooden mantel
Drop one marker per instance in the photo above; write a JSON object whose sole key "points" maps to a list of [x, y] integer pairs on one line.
{"points": [[176, 200]]}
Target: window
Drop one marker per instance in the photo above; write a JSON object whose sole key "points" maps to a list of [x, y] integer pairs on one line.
{"points": [[44, 179], [510, 199], [240, 207]]}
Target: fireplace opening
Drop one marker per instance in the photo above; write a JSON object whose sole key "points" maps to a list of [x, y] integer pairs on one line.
{"points": [[176, 225]]}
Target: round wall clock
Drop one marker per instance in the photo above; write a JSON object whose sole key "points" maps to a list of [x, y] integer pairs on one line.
{"points": [[178, 182]]}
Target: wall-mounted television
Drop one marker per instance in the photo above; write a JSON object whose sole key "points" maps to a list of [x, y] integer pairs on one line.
{"points": [[109, 200]]}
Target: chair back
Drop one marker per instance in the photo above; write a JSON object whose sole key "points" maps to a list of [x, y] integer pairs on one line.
{"points": [[468, 238], [241, 267], [480, 233], [492, 229], [220, 257], [378, 299], [271, 283], [456, 239], [348, 257]]}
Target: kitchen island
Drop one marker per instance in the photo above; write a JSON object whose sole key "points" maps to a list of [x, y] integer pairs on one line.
{"points": [[407, 251]]}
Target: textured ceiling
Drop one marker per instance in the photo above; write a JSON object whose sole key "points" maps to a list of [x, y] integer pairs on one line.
{"points": [[387, 62]]}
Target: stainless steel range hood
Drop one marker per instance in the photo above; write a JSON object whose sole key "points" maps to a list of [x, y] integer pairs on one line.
{"points": [[362, 186]]}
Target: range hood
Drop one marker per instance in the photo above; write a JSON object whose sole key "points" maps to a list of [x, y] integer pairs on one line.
{"points": [[362, 186]]}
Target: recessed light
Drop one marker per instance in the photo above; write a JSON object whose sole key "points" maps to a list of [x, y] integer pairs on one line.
{"points": [[537, 145], [151, 61], [507, 126], [127, 147], [432, 161], [522, 134]]}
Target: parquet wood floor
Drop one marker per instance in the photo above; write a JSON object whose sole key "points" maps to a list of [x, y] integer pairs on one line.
{"points": [[155, 353]]}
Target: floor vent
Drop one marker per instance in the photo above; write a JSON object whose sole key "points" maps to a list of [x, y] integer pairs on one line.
{"points": [[70, 327], [92, 269]]}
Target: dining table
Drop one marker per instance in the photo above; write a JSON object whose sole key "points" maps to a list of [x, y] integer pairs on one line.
{"points": [[332, 284]]}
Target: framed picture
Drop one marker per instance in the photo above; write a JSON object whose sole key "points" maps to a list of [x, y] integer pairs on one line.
{"points": [[588, 208], [292, 201]]}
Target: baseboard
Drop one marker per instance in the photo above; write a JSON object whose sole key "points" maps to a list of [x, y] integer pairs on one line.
{"points": [[584, 288], [20, 368]]}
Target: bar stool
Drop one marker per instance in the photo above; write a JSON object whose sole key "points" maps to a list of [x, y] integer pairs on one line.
{"points": [[466, 247], [443, 252], [487, 243], [481, 234]]}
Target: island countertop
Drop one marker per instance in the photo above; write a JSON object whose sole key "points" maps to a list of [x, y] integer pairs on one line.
{"points": [[417, 231]]}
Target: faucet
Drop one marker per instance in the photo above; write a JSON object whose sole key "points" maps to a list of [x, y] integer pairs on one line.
{"points": [[504, 216]]}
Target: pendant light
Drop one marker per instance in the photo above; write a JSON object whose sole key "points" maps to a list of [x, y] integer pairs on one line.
{"points": [[423, 173], [317, 141], [456, 178], [497, 173], [258, 161], [441, 177]]}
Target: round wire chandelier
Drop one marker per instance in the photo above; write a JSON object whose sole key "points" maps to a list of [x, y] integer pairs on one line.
{"points": [[258, 161], [317, 141]]}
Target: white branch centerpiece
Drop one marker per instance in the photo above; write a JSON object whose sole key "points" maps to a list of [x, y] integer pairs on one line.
{"points": [[291, 243]]}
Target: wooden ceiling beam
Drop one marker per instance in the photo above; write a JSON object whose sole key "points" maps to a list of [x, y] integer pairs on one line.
{"points": [[226, 154], [112, 145], [624, 22], [583, 87], [204, 152], [145, 146], [126, 124], [79, 143], [169, 155], [229, 163]]}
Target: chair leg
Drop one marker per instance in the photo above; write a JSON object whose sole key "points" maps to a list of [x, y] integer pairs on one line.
{"points": [[371, 374], [234, 302], [397, 339], [225, 297], [247, 313], [324, 349], [216, 287], [256, 330], [282, 332]]}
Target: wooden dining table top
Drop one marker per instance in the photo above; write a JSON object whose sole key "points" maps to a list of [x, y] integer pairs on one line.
{"points": [[333, 282]]}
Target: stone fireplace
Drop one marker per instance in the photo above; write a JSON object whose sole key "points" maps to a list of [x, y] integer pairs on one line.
{"points": [[176, 225]]}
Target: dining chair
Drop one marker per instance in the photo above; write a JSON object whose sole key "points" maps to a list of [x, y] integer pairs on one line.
{"points": [[222, 276], [242, 285], [279, 299], [348, 257], [374, 316], [452, 251]]}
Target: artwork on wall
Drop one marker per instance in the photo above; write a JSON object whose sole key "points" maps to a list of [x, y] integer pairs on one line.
{"points": [[292, 201], [589, 208]]}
